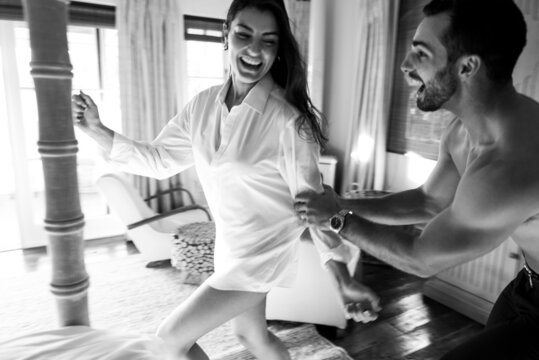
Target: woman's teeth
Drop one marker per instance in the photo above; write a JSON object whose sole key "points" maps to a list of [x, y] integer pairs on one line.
{"points": [[250, 61]]}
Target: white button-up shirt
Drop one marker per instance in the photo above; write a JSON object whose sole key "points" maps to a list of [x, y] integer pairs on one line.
{"points": [[251, 163]]}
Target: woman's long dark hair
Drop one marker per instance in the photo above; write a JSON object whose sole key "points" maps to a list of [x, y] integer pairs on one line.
{"points": [[288, 69]]}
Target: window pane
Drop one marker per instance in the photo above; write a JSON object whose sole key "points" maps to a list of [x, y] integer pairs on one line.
{"points": [[110, 106], [205, 65], [84, 57], [83, 46], [24, 54], [8, 213], [30, 121]]}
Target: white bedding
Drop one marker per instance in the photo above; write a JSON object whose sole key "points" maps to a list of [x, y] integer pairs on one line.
{"points": [[82, 343]]}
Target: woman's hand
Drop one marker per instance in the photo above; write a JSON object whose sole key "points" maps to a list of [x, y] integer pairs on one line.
{"points": [[360, 303], [86, 118], [85, 112]]}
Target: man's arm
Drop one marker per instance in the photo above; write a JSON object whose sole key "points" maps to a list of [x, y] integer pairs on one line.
{"points": [[419, 205], [469, 216], [412, 206], [486, 210], [415, 206]]}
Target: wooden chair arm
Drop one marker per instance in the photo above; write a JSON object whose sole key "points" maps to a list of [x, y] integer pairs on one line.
{"points": [[168, 191], [167, 214]]}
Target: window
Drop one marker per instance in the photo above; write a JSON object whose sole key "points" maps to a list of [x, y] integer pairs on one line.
{"points": [[205, 66], [93, 54], [203, 29], [206, 63]]}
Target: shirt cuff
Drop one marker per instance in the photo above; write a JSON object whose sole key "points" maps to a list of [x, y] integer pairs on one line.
{"points": [[346, 252]]}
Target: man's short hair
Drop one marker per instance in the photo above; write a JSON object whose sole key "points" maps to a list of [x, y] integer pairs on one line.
{"points": [[494, 30]]}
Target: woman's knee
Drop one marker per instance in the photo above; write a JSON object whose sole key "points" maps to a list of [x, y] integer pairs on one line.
{"points": [[177, 342], [250, 338]]}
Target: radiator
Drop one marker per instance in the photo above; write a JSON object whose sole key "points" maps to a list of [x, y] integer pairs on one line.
{"points": [[473, 287]]}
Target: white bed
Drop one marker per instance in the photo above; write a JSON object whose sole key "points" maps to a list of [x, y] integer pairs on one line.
{"points": [[82, 343]]}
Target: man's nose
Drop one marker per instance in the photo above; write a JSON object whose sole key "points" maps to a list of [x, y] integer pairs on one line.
{"points": [[406, 65]]}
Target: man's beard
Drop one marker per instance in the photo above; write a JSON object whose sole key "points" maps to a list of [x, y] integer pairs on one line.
{"points": [[432, 95]]}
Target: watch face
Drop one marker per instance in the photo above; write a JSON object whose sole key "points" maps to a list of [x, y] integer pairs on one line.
{"points": [[335, 222]]}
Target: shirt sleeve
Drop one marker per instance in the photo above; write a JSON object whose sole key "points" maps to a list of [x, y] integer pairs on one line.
{"points": [[168, 154], [299, 161], [299, 168]]}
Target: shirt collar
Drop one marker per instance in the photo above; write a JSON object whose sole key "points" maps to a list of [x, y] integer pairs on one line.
{"points": [[257, 96]]}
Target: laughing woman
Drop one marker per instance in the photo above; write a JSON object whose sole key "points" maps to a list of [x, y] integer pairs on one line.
{"points": [[255, 143]]}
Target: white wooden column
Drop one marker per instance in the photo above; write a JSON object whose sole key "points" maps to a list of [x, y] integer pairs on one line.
{"points": [[64, 221]]}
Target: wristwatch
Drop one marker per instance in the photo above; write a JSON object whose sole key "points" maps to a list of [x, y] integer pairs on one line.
{"points": [[336, 222]]}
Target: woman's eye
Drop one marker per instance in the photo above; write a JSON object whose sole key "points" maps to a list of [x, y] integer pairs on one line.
{"points": [[270, 42], [242, 36]]}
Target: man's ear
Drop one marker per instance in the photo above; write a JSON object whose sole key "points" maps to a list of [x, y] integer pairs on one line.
{"points": [[468, 66]]}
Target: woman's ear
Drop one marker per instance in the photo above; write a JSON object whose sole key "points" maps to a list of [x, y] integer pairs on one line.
{"points": [[468, 66], [225, 36]]}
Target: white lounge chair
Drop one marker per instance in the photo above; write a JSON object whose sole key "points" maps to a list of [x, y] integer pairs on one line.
{"points": [[152, 233]]}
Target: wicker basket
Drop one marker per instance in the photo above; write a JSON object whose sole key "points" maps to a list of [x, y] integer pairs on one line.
{"points": [[192, 251]]}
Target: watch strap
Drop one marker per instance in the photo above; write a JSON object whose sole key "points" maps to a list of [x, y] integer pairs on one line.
{"points": [[340, 217]]}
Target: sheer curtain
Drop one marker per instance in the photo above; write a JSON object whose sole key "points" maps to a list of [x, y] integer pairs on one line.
{"points": [[149, 34], [364, 163]]}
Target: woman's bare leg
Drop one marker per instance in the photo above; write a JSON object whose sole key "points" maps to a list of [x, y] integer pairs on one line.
{"points": [[251, 329], [203, 311]]}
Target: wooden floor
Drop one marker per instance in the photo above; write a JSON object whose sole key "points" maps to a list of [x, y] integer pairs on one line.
{"points": [[410, 326]]}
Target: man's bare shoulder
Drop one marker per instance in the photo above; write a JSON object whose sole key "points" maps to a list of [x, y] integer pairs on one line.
{"points": [[502, 174], [501, 181]]}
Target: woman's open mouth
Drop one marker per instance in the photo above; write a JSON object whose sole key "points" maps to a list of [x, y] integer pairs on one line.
{"points": [[250, 63]]}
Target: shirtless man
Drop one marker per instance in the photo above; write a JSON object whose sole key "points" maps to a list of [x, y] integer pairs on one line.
{"points": [[485, 185]]}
